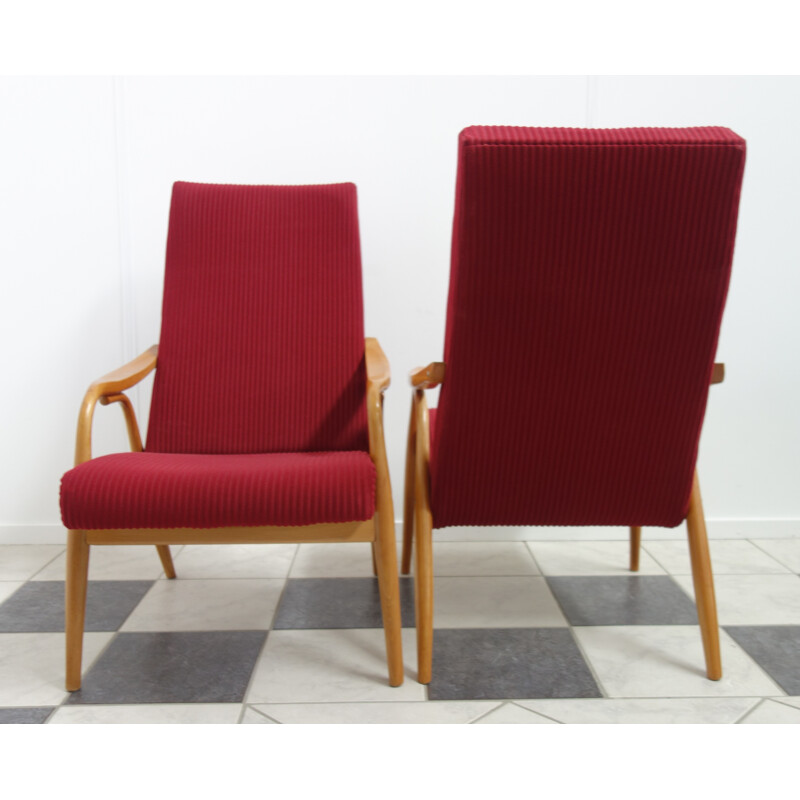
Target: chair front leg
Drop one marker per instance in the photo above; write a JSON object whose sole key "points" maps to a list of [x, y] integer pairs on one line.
{"points": [[408, 490], [166, 560], [703, 583], [75, 605], [423, 564], [636, 545]]}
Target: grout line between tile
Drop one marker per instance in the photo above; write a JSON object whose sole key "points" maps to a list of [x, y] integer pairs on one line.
{"points": [[547, 716], [499, 705], [44, 566], [747, 713], [755, 543]]}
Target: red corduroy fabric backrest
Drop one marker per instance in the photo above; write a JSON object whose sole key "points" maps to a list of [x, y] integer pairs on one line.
{"points": [[262, 332], [588, 279]]}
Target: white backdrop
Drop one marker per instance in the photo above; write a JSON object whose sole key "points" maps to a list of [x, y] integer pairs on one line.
{"points": [[87, 167]]}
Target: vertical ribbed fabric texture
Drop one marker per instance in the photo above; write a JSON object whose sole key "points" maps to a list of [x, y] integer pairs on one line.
{"points": [[589, 274], [262, 335]]}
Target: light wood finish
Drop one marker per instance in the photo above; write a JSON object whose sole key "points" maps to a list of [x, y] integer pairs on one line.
{"points": [[75, 604], [703, 579], [718, 373], [408, 491], [385, 548], [379, 530], [427, 377], [423, 534], [636, 543], [111, 386], [324, 532]]}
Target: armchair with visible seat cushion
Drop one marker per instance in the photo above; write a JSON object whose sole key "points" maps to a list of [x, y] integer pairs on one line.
{"points": [[589, 275], [266, 423]]}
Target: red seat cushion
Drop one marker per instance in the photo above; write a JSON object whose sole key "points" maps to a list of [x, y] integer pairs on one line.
{"points": [[165, 490], [589, 274]]}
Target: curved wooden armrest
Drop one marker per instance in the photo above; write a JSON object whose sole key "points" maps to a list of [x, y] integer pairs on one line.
{"points": [[427, 377], [108, 389], [718, 373], [378, 373]]}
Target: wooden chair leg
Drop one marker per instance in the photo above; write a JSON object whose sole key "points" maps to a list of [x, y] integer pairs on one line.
{"points": [[389, 587], [166, 560], [703, 583], [374, 561], [75, 605], [408, 506], [636, 544], [423, 563]]}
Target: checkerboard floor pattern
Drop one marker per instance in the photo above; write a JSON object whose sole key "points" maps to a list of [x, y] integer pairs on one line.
{"points": [[536, 632]]}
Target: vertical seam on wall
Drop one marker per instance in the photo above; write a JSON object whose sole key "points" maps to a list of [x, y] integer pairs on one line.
{"points": [[127, 315]]}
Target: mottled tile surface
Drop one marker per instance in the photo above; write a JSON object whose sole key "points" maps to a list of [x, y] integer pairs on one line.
{"points": [[321, 603], [776, 648], [185, 667], [35, 715], [645, 600], [508, 663], [39, 606]]}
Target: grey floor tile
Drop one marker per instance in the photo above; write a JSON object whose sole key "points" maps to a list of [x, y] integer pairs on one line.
{"points": [[38, 606], [25, 715], [775, 648], [172, 667], [337, 603], [623, 600], [508, 663]]}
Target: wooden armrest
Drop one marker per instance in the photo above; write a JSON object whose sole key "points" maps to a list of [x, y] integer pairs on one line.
{"points": [[718, 373], [378, 373], [427, 377], [108, 389], [126, 376]]}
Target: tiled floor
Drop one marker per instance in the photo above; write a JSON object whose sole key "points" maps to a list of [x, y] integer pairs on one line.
{"points": [[540, 633]]}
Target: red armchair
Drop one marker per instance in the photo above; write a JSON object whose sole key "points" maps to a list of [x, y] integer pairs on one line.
{"points": [[266, 422], [588, 279]]}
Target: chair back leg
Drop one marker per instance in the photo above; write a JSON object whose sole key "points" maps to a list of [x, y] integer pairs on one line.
{"points": [[408, 489], [703, 583], [75, 605], [385, 550], [166, 560], [636, 544]]}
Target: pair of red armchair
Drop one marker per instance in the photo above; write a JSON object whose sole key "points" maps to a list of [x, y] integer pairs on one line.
{"points": [[588, 279]]}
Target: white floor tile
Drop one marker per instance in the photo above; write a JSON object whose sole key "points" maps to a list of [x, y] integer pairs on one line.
{"points": [[773, 713], [235, 561], [378, 713], [792, 701], [207, 605], [7, 588], [482, 602], [512, 714], [728, 557], [19, 562], [253, 717], [787, 551], [667, 661], [112, 563], [482, 558], [753, 599], [32, 666], [331, 666], [644, 711], [334, 560], [590, 558], [189, 713]]}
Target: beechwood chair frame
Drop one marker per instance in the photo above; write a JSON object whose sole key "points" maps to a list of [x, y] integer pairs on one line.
{"points": [[418, 525], [379, 530]]}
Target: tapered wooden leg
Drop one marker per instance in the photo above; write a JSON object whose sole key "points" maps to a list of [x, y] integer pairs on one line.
{"points": [[636, 543], [374, 561], [389, 586], [408, 506], [77, 580], [166, 560], [703, 583]]}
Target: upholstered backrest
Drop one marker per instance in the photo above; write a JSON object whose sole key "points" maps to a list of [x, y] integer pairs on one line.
{"points": [[588, 279], [262, 333]]}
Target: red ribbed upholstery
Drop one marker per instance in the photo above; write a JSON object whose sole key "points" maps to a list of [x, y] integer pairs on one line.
{"points": [[262, 333], [258, 414], [589, 274], [165, 490]]}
